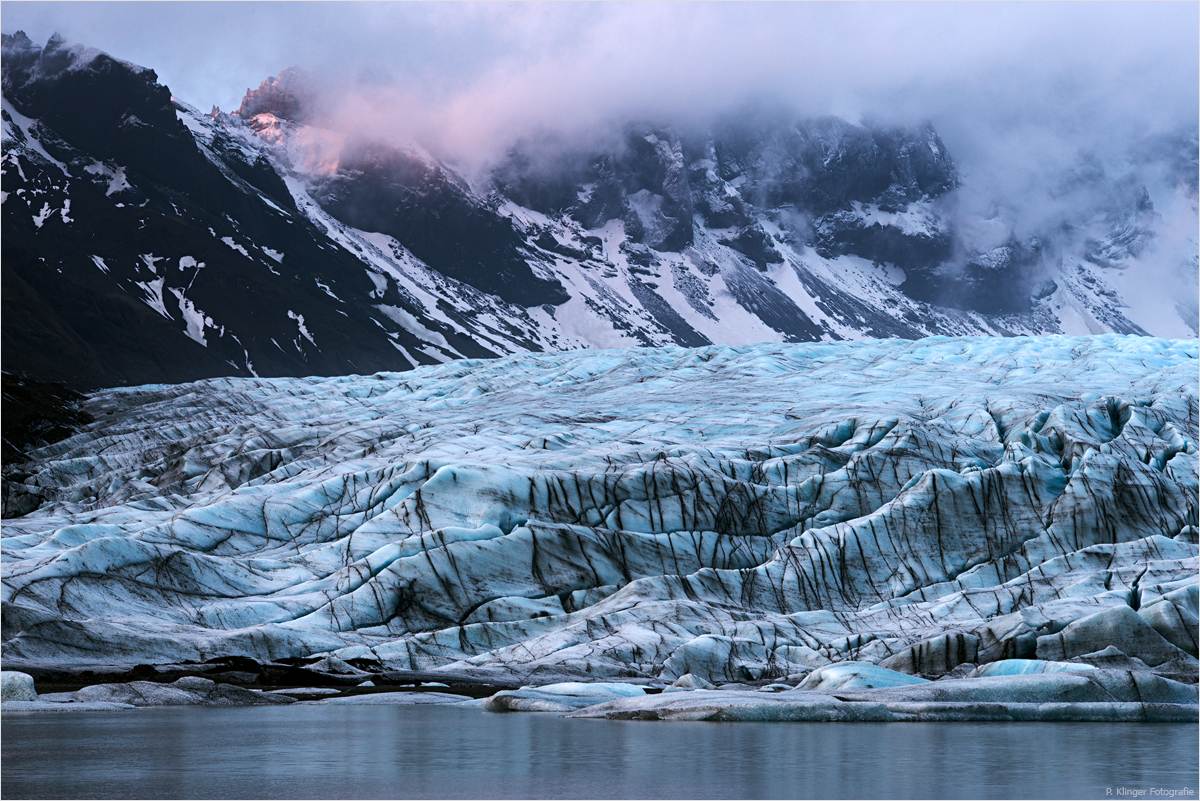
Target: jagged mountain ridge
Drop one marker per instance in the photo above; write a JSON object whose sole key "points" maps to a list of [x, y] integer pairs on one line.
{"points": [[145, 241]]}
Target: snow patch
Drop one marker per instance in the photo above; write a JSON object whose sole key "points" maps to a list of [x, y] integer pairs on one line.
{"points": [[198, 128], [116, 177], [29, 128], [327, 290], [380, 281], [154, 296], [228, 240], [299, 318], [414, 326], [195, 319], [916, 219]]}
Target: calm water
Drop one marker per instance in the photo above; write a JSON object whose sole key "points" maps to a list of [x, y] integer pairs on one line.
{"points": [[448, 752]]}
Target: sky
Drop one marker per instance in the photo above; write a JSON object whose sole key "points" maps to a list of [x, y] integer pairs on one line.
{"points": [[469, 72], [1017, 90]]}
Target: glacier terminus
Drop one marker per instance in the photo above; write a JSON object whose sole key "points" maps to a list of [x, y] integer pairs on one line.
{"points": [[946, 528]]}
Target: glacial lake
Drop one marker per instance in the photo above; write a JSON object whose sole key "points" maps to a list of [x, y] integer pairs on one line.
{"points": [[454, 752]]}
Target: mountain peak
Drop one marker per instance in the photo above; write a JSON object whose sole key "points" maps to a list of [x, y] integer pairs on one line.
{"points": [[25, 63], [18, 41], [288, 95]]}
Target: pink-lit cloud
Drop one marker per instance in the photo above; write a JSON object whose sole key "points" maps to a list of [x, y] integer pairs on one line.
{"points": [[1018, 91]]}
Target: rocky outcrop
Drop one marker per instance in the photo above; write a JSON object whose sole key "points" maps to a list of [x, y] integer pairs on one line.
{"points": [[288, 96], [380, 188]]}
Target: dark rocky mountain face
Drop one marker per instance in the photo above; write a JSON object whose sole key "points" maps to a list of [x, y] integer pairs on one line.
{"points": [[824, 165], [109, 109], [144, 233], [288, 95], [147, 242], [815, 169], [381, 189]]}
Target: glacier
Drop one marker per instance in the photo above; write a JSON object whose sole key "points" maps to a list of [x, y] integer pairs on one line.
{"points": [[740, 516]]}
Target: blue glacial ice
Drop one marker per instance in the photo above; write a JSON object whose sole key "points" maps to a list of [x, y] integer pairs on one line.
{"points": [[733, 514], [1020, 667], [1087, 695], [16, 686], [856, 676], [564, 696]]}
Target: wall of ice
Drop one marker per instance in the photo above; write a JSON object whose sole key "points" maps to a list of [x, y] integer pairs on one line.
{"points": [[732, 513]]}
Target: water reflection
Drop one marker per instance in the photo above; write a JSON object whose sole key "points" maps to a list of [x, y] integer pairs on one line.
{"points": [[442, 752]]}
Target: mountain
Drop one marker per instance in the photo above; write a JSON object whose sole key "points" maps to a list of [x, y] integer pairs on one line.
{"points": [[145, 241], [135, 251]]}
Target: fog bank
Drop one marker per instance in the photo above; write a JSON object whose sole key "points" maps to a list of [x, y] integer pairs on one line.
{"points": [[1024, 95]]}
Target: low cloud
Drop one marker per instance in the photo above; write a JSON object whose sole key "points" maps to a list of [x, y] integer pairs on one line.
{"points": [[1021, 93]]}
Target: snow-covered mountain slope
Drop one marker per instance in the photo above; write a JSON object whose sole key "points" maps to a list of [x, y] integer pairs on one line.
{"points": [[145, 241], [136, 248], [729, 512]]}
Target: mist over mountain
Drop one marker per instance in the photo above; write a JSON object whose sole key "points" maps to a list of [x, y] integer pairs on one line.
{"points": [[147, 241]]}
